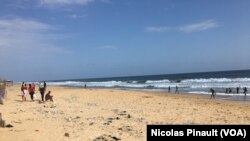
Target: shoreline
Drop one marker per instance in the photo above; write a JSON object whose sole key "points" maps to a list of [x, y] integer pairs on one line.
{"points": [[88, 114], [229, 97], [219, 95]]}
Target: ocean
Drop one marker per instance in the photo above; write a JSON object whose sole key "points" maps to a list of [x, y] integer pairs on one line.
{"points": [[195, 83]]}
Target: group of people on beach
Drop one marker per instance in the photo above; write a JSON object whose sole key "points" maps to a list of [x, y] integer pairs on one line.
{"points": [[176, 89], [31, 88], [228, 90]]}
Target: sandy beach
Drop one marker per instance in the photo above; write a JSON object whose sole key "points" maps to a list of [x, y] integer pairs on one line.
{"points": [[97, 114]]}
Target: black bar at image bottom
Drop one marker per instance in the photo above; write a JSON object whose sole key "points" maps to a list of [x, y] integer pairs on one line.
{"points": [[198, 132]]}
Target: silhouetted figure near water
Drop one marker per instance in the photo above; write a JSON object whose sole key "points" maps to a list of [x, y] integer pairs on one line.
{"points": [[228, 90], [212, 93], [237, 90], [42, 89], [245, 90], [169, 89], [176, 90]]}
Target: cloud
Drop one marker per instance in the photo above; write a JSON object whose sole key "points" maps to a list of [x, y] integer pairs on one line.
{"points": [[66, 5], [157, 29], [195, 27], [198, 26], [108, 1], [21, 25], [65, 2], [17, 34], [27, 42], [76, 16], [59, 3]]}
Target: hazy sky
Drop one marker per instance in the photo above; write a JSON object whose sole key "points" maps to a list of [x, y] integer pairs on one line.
{"points": [[62, 39]]}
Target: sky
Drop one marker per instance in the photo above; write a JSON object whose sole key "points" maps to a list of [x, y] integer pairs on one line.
{"points": [[72, 39]]}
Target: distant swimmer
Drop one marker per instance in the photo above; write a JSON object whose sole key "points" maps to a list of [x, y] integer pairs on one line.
{"points": [[212, 93]]}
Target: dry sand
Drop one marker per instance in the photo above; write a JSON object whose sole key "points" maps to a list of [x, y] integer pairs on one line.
{"points": [[91, 114]]}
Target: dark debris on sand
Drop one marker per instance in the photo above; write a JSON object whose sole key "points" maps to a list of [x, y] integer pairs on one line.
{"points": [[66, 134], [119, 115], [107, 138], [9, 126]]}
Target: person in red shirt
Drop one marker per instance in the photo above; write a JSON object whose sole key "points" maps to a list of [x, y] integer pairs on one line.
{"points": [[31, 92]]}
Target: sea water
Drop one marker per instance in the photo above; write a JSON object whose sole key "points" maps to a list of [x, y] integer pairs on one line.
{"points": [[196, 83]]}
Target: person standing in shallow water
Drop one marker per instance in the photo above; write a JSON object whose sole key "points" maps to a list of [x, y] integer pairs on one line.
{"points": [[169, 89], [245, 90], [212, 93], [237, 90], [176, 90]]}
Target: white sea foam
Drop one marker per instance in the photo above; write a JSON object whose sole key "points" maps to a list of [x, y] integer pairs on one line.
{"points": [[195, 85], [222, 94], [216, 80], [157, 81]]}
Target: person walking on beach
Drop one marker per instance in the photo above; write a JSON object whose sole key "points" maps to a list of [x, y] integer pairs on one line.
{"points": [[22, 88], [169, 89], [31, 92], [45, 85], [212, 93], [42, 89], [25, 92], [176, 90], [33, 86]]}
